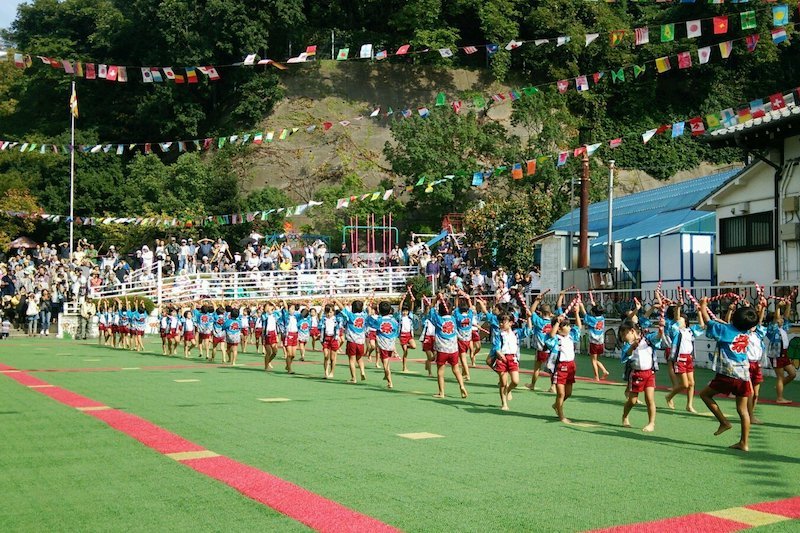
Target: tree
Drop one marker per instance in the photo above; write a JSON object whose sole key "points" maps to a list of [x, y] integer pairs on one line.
{"points": [[504, 227], [11, 227], [444, 144]]}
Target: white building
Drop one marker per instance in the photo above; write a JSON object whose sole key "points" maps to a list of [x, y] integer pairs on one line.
{"points": [[758, 209]]}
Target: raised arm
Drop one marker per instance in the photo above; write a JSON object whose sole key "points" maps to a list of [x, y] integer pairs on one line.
{"points": [[578, 321], [703, 311]]}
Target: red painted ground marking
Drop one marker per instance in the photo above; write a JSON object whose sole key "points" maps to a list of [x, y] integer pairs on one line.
{"points": [[789, 507], [702, 522], [149, 434], [68, 397], [295, 502], [26, 379], [693, 523], [312, 510]]}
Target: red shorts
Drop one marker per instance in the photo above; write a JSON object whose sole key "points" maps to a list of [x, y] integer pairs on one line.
{"points": [[272, 337], [565, 373], [330, 343], [245, 332], [123, 330], [164, 334], [101, 327], [386, 354], [476, 336], [596, 349], [511, 364], [445, 358], [728, 385], [232, 344], [258, 332], [427, 343], [188, 336], [372, 335], [542, 356], [641, 380], [290, 339], [354, 349], [684, 364], [205, 336], [668, 352], [113, 328], [140, 332], [756, 376], [218, 340], [405, 338], [314, 333], [782, 361], [463, 346]]}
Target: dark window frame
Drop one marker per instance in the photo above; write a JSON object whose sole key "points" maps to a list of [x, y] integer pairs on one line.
{"points": [[750, 242]]}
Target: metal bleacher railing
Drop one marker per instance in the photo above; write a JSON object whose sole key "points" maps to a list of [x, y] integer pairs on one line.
{"points": [[254, 285]]}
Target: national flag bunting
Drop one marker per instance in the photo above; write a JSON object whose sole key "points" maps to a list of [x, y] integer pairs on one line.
{"points": [[662, 64], [516, 171], [697, 127], [616, 37], [780, 15], [720, 24], [342, 55], [642, 35], [667, 33], [747, 19], [684, 60], [752, 41], [693, 29], [778, 35], [470, 50], [703, 55]]}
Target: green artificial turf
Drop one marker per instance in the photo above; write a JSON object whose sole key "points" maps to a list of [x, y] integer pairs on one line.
{"points": [[518, 470]]}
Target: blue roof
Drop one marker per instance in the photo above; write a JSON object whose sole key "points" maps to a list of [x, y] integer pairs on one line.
{"points": [[649, 213]]}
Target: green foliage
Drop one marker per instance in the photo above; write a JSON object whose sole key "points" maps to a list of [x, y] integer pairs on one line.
{"points": [[220, 32], [505, 226], [420, 286]]}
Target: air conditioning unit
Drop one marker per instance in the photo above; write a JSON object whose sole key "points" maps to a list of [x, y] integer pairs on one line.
{"points": [[790, 231]]}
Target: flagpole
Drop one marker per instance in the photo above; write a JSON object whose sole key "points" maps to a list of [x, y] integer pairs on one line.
{"points": [[72, 178]]}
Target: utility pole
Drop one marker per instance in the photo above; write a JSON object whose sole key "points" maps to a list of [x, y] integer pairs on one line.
{"points": [[583, 239], [610, 213]]}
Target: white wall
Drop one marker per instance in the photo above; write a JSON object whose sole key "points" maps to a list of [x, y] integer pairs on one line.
{"points": [[752, 267], [553, 261], [694, 251]]}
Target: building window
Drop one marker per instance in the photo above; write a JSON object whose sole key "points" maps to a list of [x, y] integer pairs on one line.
{"points": [[748, 233]]}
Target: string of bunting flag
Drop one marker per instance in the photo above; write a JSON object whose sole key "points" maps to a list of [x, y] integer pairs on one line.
{"points": [[697, 126], [720, 25], [682, 60]]}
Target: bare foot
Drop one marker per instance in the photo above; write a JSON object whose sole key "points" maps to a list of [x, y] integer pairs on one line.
{"points": [[626, 423], [509, 396], [464, 393], [363, 377], [756, 421], [722, 429], [649, 428], [739, 446], [597, 379], [691, 409], [351, 381], [783, 401], [439, 395], [504, 408], [530, 386], [670, 403], [389, 385], [566, 420], [605, 376]]}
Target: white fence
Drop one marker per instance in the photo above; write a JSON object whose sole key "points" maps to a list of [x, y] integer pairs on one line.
{"points": [[251, 285]]}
